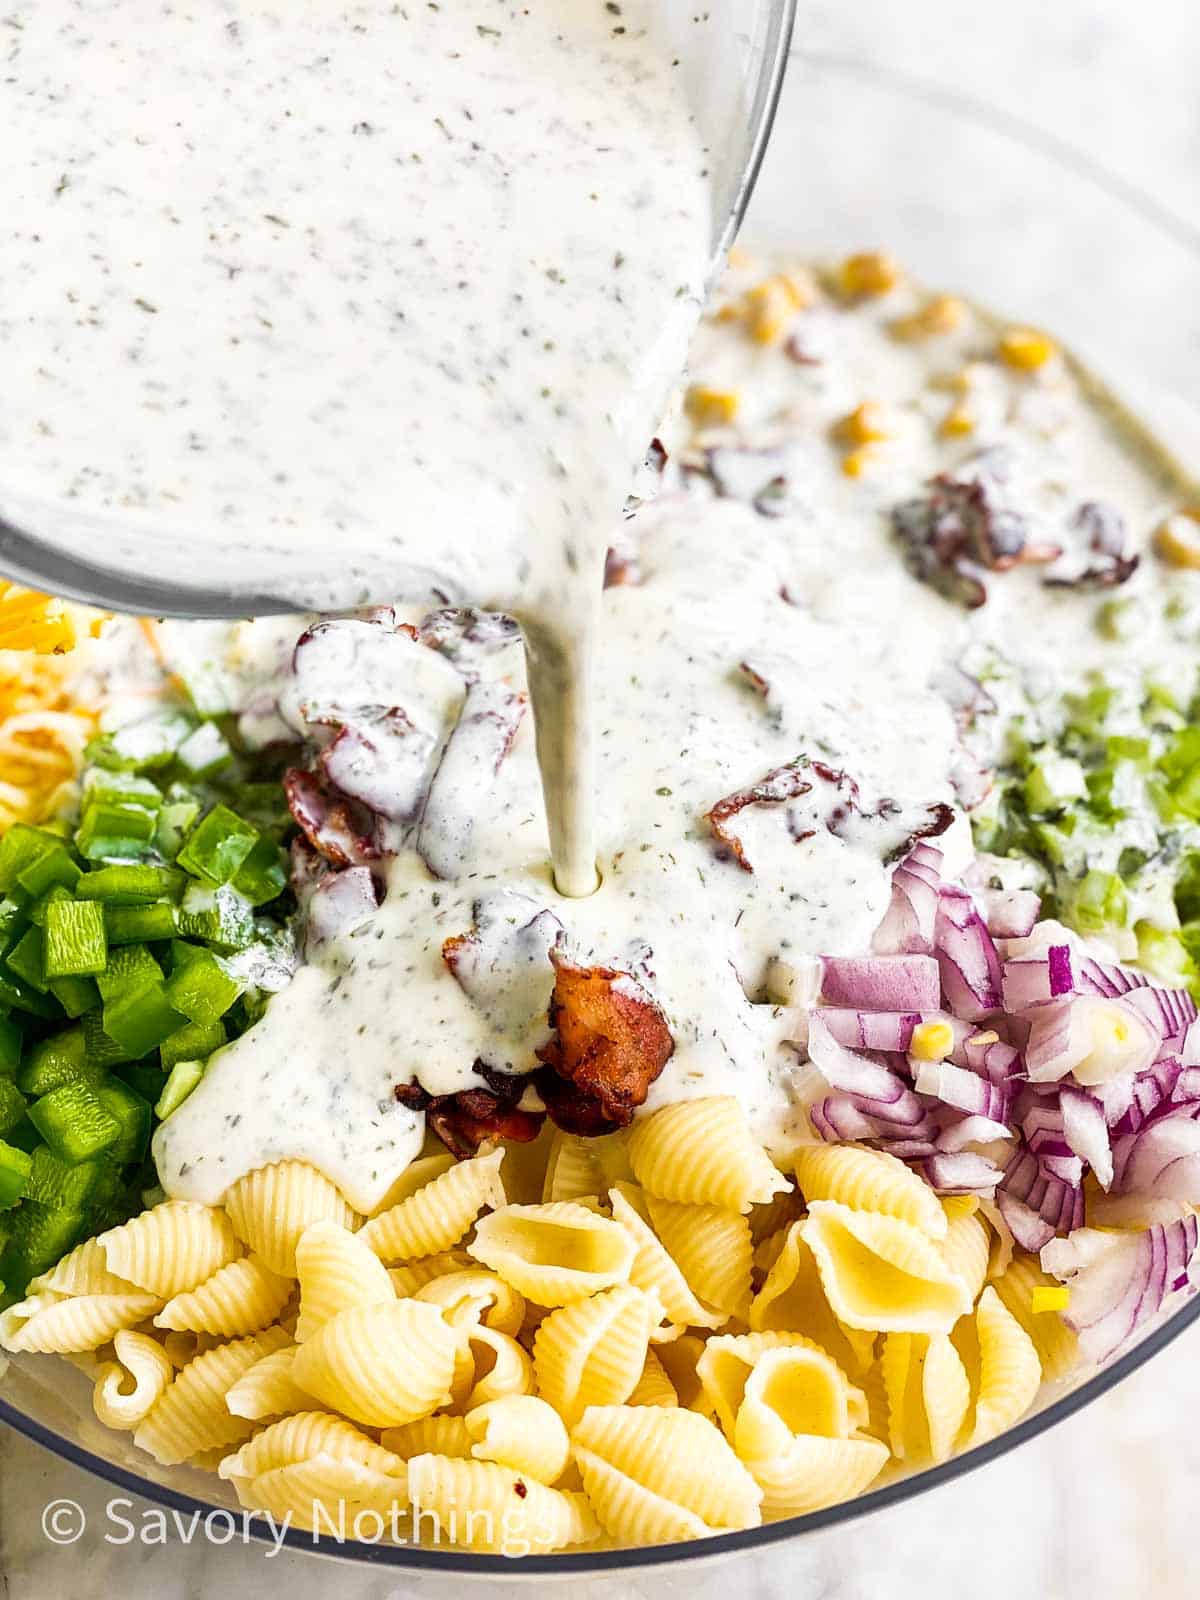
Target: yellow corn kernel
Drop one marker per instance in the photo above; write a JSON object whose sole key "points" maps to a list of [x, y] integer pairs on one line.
{"points": [[731, 311], [871, 273], [931, 1041], [944, 313], [958, 420], [864, 425], [1177, 540], [710, 408], [1047, 1297], [769, 310], [856, 462], [32, 621], [1026, 349], [738, 258]]}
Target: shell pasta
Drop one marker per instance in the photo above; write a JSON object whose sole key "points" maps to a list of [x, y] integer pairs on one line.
{"points": [[610, 1365]]}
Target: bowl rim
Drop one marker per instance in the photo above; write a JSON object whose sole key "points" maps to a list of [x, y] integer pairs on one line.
{"points": [[465, 1563]]}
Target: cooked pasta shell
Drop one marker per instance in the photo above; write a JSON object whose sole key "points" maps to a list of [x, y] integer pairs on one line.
{"points": [[792, 1299], [337, 1269], [267, 1389], [126, 1388], [340, 1498], [593, 1352], [479, 1505], [868, 1180], [271, 1207], [629, 1512], [171, 1248], [297, 1438], [571, 1170], [555, 1253], [815, 1472], [80, 1322], [680, 1361], [701, 1152], [881, 1274], [415, 1176], [442, 1435], [381, 1365], [1056, 1345], [967, 1248], [727, 1361], [240, 1297], [713, 1250], [928, 1395], [192, 1416], [439, 1213], [406, 1280], [83, 1270], [492, 1365], [1010, 1373], [522, 1432], [476, 1296], [654, 1268], [654, 1387], [675, 1454]]}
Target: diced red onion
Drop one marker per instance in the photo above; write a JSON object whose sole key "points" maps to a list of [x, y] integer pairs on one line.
{"points": [[967, 956], [955, 1086], [1010, 913], [1092, 1038], [970, 1130], [1119, 1281], [1171, 1011], [1107, 979], [1032, 981], [844, 1069], [1147, 1091], [962, 1172], [907, 926], [996, 1060], [1030, 1230], [882, 983], [1187, 1085], [1162, 1159], [1086, 1131], [889, 1031], [838, 1118], [1058, 1204], [909, 1149]]}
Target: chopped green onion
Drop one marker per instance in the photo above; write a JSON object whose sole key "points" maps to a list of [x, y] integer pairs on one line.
{"points": [[75, 941]]}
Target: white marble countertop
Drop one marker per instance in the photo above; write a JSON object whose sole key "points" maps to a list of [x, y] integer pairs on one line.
{"points": [[1103, 1506]]}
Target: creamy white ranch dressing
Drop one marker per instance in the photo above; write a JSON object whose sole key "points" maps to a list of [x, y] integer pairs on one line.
{"points": [[353, 301], [818, 605]]}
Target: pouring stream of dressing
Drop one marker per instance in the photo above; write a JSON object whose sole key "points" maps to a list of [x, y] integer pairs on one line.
{"points": [[365, 301]]}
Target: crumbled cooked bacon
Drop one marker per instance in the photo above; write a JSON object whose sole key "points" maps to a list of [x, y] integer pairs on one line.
{"points": [[463, 634], [1107, 537], [337, 828], [463, 1121], [610, 1042], [757, 477], [831, 800], [965, 527], [780, 785], [621, 569], [469, 766], [382, 761], [412, 1095], [755, 677]]}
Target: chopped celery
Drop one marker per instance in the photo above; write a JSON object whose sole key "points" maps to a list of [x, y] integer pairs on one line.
{"points": [[74, 1122], [217, 846], [1164, 954], [74, 939], [130, 884], [196, 1041], [1095, 903], [185, 1075], [14, 1175], [1053, 782]]}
